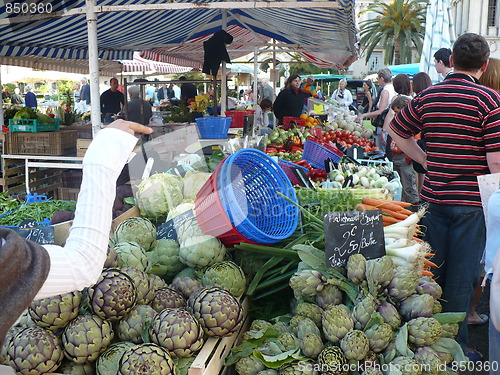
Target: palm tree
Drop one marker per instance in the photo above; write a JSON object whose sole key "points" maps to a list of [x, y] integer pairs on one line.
{"points": [[398, 26]]}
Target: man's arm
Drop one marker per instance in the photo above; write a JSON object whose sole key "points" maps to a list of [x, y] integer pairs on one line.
{"points": [[410, 147], [493, 159]]}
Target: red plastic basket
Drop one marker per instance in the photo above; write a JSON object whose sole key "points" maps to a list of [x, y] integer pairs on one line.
{"points": [[287, 168], [212, 217], [238, 117], [316, 154], [289, 119]]}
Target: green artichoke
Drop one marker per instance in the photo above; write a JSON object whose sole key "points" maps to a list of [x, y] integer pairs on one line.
{"points": [[164, 258], [355, 345], [379, 336], [437, 307], [406, 366], [186, 285], [282, 327], [330, 295], [142, 283], [131, 326], [372, 371], [371, 362], [131, 254], [306, 326], [429, 287], [85, 337], [111, 258], [155, 283], [145, 359], [424, 331], [177, 331], [259, 324], [331, 360], [449, 330], [311, 310], [249, 366], [138, 230], [201, 251], [168, 298], [298, 368], [428, 359], [55, 312], [288, 340], [182, 364], [294, 323], [336, 323], [403, 283], [188, 229], [311, 345], [109, 361], [188, 272], [390, 314], [227, 275], [363, 310], [268, 372], [70, 367], [356, 268], [113, 295], [416, 305], [307, 282], [379, 273], [219, 313], [33, 351]]}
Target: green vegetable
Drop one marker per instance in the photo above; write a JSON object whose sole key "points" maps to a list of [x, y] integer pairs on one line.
{"points": [[37, 211]]}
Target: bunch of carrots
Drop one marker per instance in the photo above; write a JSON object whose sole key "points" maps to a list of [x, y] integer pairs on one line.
{"points": [[392, 211]]}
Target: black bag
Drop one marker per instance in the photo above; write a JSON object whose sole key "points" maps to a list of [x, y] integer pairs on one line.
{"points": [[378, 122]]}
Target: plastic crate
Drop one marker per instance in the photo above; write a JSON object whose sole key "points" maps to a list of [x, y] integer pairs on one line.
{"points": [[238, 117], [213, 127], [316, 154], [60, 142], [297, 120], [32, 125]]}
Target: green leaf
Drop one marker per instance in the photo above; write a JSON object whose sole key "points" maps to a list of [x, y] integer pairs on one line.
{"points": [[276, 361], [375, 318], [402, 342], [448, 345], [248, 346], [449, 317], [129, 200], [310, 255]]}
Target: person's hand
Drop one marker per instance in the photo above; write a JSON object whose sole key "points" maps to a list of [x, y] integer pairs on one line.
{"points": [[359, 119], [130, 127]]}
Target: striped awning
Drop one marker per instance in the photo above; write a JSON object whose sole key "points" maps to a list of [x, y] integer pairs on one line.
{"points": [[139, 64], [323, 31]]}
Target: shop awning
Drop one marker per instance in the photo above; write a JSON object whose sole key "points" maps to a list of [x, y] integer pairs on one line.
{"points": [[408, 69], [140, 64]]}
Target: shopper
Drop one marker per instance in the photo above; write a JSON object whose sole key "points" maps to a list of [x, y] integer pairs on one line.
{"points": [[188, 91], [267, 90], [367, 104], [461, 119], [33, 271], [342, 96], [261, 117], [30, 98], [112, 101], [442, 61], [290, 101], [138, 110], [16, 98]]}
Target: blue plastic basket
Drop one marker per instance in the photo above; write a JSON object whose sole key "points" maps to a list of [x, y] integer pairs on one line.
{"points": [[287, 168], [248, 184], [316, 154], [213, 127]]}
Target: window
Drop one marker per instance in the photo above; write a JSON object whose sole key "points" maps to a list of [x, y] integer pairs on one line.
{"points": [[492, 12], [375, 62]]}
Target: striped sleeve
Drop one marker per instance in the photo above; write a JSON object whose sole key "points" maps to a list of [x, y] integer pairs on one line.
{"points": [[79, 263]]}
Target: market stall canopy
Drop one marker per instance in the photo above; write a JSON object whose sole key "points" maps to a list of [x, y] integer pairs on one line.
{"points": [[322, 31], [325, 77], [408, 69], [140, 64]]}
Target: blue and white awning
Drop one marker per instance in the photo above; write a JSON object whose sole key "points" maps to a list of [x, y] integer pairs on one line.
{"points": [[323, 31]]}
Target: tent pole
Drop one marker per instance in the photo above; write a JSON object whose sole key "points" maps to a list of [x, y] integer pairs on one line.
{"points": [[95, 108], [223, 87], [2, 118], [255, 74], [215, 95]]}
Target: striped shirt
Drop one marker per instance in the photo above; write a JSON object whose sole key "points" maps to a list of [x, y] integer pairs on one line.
{"points": [[79, 263], [460, 120]]}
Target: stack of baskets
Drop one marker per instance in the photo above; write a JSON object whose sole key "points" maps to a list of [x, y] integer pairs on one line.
{"points": [[239, 203], [316, 154]]}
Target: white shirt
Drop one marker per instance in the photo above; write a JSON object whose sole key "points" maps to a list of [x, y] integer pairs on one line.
{"points": [[342, 97], [260, 118], [79, 263]]}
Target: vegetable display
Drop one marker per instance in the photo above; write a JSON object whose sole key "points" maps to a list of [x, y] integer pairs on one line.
{"points": [[37, 211]]}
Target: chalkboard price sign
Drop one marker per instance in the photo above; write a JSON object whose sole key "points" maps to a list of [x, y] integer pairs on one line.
{"points": [[167, 229], [30, 230], [353, 232]]}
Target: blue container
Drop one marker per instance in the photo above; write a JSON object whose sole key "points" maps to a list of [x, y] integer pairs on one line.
{"points": [[213, 127], [248, 183]]}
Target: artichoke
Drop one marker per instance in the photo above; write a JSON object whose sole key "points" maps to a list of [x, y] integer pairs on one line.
{"points": [[355, 345], [113, 295], [331, 360], [188, 272], [188, 228], [282, 327], [177, 331], [259, 324], [363, 310], [168, 298], [370, 363], [372, 371], [111, 258], [403, 283], [288, 340], [298, 368], [390, 314], [356, 268], [201, 251], [437, 307], [311, 345], [379, 273], [294, 323], [131, 254], [379, 336], [164, 258], [428, 359], [416, 305], [429, 287], [55, 312], [132, 325], [310, 310], [108, 362], [155, 283], [70, 367], [268, 372], [227, 275], [85, 337], [142, 283], [307, 283], [330, 295], [336, 323], [182, 364], [406, 366], [186, 285], [249, 366], [306, 326], [424, 331], [449, 330], [219, 313], [138, 230], [144, 359], [33, 350]]}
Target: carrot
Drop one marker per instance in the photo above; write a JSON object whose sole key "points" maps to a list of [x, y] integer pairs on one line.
{"points": [[418, 240], [394, 214], [380, 203], [402, 204], [389, 220], [429, 255], [362, 206], [429, 263], [405, 211], [427, 273]]}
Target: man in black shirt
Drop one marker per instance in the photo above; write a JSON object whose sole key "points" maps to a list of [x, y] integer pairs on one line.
{"points": [[188, 91], [112, 101]]}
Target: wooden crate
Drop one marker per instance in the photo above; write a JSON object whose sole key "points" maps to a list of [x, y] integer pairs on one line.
{"points": [[60, 142], [67, 194], [81, 146]]}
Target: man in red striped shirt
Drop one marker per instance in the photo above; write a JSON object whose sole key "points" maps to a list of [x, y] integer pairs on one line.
{"points": [[460, 119]]}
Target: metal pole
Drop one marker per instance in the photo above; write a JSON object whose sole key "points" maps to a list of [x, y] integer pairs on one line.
{"points": [[2, 119], [255, 73], [223, 87], [95, 109]]}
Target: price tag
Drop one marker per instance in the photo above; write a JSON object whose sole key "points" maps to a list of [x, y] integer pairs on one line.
{"points": [[167, 230], [353, 232], [30, 230]]}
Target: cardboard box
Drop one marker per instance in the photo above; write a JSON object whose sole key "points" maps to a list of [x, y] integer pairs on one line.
{"points": [[81, 146]]}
